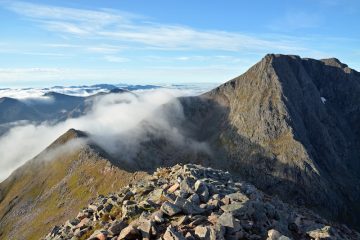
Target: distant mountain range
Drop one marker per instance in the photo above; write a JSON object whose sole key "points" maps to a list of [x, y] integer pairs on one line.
{"points": [[52, 107], [289, 125]]}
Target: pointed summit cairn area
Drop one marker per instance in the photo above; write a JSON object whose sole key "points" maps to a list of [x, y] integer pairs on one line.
{"points": [[193, 202]]}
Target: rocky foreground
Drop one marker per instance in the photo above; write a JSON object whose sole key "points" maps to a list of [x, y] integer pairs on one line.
{"points": [[193, 202]]}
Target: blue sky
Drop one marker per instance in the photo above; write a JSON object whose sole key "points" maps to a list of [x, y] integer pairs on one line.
{"points": [[46, 43]]}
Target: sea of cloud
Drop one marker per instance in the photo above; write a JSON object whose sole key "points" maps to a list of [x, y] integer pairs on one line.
{"points": [[115, 123], [29, 93]]}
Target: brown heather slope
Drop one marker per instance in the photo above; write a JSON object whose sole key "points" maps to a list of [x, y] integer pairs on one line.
{"points": [[54, 185]]}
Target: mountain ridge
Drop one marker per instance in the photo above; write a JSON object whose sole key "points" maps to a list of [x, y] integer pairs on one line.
{"points": [[272, 126], [54, 184]]}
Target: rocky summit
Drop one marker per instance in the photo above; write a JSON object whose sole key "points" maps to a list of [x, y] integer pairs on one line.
{"points": [[194, 202]]}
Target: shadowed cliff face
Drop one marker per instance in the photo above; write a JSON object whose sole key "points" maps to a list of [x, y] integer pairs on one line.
{"points": [[299, 117], [288, 125]]}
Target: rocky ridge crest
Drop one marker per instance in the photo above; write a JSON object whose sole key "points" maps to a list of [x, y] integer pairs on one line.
{"points": [[194, 202]]}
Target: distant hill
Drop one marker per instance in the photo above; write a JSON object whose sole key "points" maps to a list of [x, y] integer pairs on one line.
{"points": [[14, 110], [52, 107]]}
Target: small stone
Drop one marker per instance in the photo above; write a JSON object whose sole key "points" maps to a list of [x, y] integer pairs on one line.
{"points": [[189, 236], [155, 196], [146, 205], [187, 206], [99, 235], [80, 232], [202, 232], [202, 190], [83, 222], [129, 209], [198, 220], [157, 216], [276, 235], [205, 233], [170, 209], [226, 200], [186, 186], [173, 188], [213, 203], [238, 197], [213, 218], [116, 227], [108, 207], [228, 221], [129, 233], [82, 215], [194, 198], [321, 233], [93, 207], [181, 220], [236, 208], [55, 231], [172, 234], [144, 226]]}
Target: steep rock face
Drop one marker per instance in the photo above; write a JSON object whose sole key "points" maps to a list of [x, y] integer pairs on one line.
{"points": [[45, 190], [288, 125]]}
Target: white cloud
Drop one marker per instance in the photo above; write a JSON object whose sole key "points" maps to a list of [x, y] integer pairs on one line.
{"points": [[101, 35], [132, 29], [116, 59], [36, 93]]}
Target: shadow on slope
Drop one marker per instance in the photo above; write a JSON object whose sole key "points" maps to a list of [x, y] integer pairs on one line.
{"points": [[207, 120]]}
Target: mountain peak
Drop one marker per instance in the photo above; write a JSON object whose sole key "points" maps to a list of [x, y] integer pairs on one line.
{"points": [[334, 62], [293, 121], [8, 100], [71, 134]]}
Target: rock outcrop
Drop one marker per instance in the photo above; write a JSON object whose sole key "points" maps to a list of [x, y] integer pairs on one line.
{"points": [[193, 202]]}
